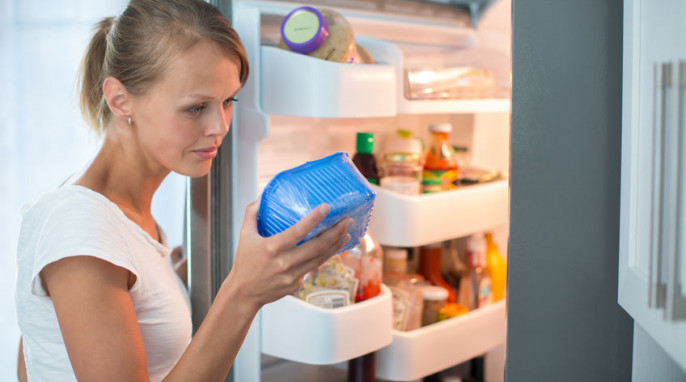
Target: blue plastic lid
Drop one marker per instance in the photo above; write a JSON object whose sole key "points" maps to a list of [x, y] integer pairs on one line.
{"points": [[304, 29], [294, 193]]}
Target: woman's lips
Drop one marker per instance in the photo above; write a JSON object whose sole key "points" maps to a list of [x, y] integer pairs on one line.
{"points": [[207, 153]]}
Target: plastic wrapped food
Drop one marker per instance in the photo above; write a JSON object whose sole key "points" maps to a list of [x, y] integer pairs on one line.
{"points": [[294, 193], [332, 285]]}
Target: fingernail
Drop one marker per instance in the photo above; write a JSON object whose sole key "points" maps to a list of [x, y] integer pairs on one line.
{"points": [[347, 238], [349, 223], [324, 209]]}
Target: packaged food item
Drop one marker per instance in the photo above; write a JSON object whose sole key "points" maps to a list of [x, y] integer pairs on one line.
{"points": [[331, 285], [434, 300], [364, 157], [497, 268], [451, 310], [408, 301], [294, 193], [321, 33], [366, 260], [440, 163], [430, 268], [478, 276]]}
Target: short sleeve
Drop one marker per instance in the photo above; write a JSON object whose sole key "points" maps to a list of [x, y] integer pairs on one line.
{"points": [[76, 226]]}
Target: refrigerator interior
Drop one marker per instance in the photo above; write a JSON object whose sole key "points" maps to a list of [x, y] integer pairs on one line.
{"points": [[278, 127]]}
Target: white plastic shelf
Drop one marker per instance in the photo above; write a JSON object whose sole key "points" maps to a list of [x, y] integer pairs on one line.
{"points": [[427, 350], [295, 330], [410, 221], [458, 106], [299, 85]]}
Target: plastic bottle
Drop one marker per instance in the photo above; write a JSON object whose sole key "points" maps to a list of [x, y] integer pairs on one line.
{"points": [[366, 259], [497, 268], [478, 275], [430, 268], [364, 158], [440, 162]]}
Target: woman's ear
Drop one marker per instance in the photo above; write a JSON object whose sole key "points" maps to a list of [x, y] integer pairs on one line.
{"points": [[117, 98]]}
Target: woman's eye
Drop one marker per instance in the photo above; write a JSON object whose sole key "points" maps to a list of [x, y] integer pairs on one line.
{"points": [[196, 109], [229, 101]]}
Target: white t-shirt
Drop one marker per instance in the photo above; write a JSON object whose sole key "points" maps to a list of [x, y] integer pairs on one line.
{"points": [[74, 220]]}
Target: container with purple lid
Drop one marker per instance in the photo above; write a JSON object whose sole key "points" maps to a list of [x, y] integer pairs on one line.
{"points": [[304, 29]]}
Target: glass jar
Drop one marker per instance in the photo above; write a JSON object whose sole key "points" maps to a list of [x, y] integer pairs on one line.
{"points": [[402, 173], [434, 300]]}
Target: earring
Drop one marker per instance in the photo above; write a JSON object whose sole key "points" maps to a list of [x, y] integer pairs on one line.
{"points": [[129, 120]]}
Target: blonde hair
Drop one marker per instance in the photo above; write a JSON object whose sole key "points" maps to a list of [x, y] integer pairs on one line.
{"points": [[136, 46]]}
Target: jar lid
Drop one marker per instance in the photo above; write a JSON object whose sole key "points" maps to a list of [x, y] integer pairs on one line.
{"points": [[395, 253], [402, 157], [441, 127], [434, 293], [304, 29]]}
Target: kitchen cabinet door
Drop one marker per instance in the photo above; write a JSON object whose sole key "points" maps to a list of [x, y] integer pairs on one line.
{"points": [[652, 267]]}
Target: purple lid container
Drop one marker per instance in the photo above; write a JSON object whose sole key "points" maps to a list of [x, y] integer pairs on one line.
{"points": [[313, 43]]}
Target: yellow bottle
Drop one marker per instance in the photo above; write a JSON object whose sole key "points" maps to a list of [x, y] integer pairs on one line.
{"points": [[497, 268]]}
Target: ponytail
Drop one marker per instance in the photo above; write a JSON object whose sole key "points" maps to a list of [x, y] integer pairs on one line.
{"points": [[91, 75]]}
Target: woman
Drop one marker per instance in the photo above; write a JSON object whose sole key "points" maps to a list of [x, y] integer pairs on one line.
{"points": [[97, 297]]}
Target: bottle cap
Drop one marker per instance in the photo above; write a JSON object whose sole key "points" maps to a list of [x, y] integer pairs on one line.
{"points": [[365, 143], [304, 29], [434, 293], [441, 127], [395, 253]]}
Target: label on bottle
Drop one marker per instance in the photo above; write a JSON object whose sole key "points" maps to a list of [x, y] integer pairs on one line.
{"points": [[447, 177], [485, 293], [401, 307], [329, 299]]}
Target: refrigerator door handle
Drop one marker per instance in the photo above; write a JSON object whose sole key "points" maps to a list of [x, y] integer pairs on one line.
{"points": [[676, 303], [655, 288]]}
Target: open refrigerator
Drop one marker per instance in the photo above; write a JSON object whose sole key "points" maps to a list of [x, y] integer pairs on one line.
{"points": [[297, 108]]}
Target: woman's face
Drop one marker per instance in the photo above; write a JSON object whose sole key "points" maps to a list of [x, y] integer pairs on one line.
{"points": [[183, 118]]}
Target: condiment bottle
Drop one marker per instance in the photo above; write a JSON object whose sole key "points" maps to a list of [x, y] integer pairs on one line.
{"points": [[440, 162], [395, 260], [366, 259], [364, 158], [434, 299], [497, 268], [406, 290], [430, 268], [478, 276]]}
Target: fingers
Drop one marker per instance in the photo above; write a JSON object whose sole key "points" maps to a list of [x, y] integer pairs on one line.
{"points": [[314, 252], [250, 218], [294, 235]]}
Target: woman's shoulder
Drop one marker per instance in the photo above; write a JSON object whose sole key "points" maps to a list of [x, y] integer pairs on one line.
{"points": [[67, 206]]}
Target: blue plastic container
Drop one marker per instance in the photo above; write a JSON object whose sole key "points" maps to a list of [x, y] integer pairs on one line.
{"points": [[294, 193]]}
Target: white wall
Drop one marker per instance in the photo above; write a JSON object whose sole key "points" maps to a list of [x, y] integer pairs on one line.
{"points": [[42, 137]]}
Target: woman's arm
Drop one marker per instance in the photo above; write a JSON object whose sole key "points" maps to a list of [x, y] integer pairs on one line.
{"points": [[21, 365], [98, 320]]}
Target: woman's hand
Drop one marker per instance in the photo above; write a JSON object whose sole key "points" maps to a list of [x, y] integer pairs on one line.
{"points": [[266, 269]]}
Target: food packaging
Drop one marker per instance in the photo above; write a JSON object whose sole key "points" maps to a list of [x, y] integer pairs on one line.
{"points": [[293, 194]]}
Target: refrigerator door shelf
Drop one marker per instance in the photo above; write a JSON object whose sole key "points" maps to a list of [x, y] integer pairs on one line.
{"points": [[427, 350], [297, 331], [299, 85], [411, 221]]}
